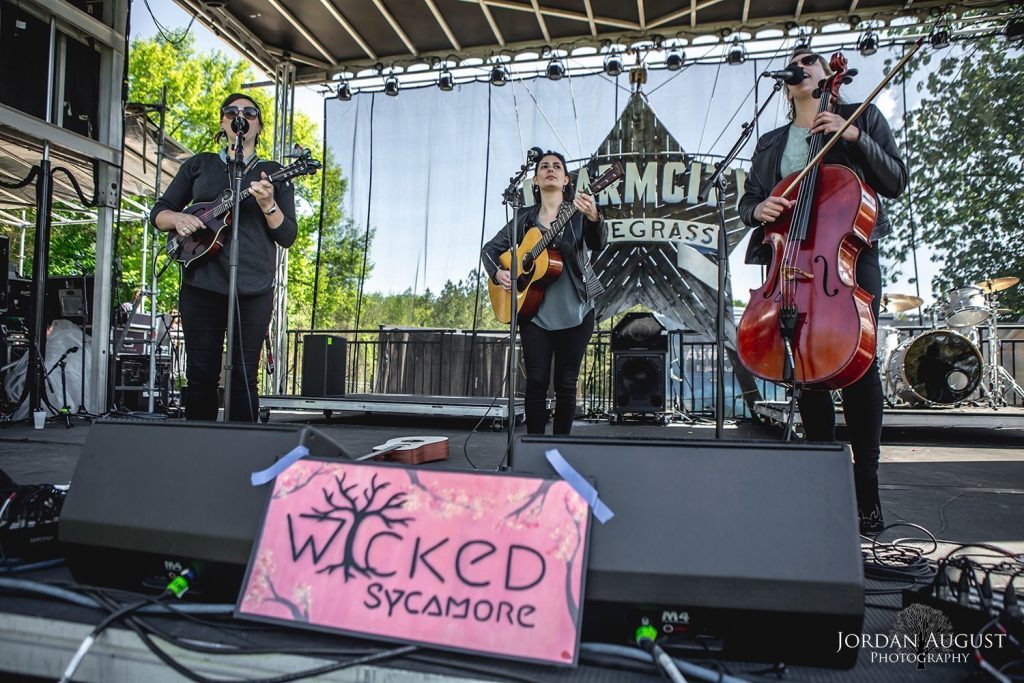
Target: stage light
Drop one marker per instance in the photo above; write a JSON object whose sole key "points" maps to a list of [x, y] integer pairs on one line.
{"points": [[613, 64], [344, 91], [499, 75], [674, 60], [737, 54], [868, 44], [446, 81], [939, 38], [1015, 28], [555, 69], [391, 86]]}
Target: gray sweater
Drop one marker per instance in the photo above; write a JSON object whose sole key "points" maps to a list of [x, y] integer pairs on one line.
{"points": [[204, 178]]}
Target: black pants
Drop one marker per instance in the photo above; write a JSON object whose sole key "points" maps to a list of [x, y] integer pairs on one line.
{"points": [[862, 406], [566, 347], [204, 321]]}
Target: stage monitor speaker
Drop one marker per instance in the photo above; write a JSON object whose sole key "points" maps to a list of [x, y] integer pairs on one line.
{"points": [[81, 88], [740, 550], [641, 381], [24, 59], [149, 498], [323, 365], [639, 332], [64, 298]]}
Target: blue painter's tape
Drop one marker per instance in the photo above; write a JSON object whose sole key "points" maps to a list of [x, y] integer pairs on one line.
{"points": [[583, 487], [269, 474]]}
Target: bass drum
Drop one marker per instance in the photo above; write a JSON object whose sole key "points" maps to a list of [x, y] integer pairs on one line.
{"points": [[939, 367]]}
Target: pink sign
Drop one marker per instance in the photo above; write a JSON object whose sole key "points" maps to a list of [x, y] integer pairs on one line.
{"points": [[485, 563]]}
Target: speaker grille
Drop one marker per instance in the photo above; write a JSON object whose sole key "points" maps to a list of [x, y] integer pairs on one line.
{"points": [[640, 381]]}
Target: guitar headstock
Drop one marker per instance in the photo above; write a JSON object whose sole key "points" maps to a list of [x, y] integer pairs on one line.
{"points": [[606, 178]]}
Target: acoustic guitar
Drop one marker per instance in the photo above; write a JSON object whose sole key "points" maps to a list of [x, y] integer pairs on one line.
{"points": [[539, 264], [410, 450], [216, 215]]}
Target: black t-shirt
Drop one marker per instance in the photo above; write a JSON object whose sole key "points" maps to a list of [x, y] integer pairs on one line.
{"points": [[204, 178]]}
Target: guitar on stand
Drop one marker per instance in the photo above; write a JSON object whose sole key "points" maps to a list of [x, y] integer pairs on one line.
{"points": [[539, 264], [216, 215]]}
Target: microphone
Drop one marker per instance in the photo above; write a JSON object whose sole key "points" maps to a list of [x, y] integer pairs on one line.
{"points": [[534, 154], [240, 125], [791, 76], [73, 349]]}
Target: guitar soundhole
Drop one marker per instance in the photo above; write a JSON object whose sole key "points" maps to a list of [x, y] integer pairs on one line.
{"points": [[528, 263]]}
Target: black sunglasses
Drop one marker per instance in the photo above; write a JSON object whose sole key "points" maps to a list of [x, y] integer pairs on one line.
{"points": [[250, 113], [807, 60]]}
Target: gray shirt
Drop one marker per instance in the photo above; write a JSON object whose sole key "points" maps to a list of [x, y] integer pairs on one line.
{"points": [[561, 307], [794, 156]]}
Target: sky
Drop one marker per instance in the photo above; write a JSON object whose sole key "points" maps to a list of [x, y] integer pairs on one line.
{"points": [[389, 277]]}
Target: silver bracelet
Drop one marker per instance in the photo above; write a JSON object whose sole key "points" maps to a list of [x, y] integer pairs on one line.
{"points": [[273, 209]]}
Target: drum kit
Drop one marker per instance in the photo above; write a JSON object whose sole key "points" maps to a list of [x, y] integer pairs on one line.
{"points": [[943, 366]]}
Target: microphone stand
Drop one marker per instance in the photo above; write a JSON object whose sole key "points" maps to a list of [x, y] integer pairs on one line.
{"points": [[717, 180], [65, 410], [240, 126], [512, 197]]}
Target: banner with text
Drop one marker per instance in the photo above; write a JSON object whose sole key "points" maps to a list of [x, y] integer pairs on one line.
{"points": [[483, 563]]}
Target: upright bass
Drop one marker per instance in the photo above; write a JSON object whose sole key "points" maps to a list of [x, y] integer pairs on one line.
{"points": [[809, 324]]}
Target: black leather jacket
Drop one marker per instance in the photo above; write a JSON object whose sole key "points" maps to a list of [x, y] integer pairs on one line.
{"points": [[579, 232], [874, 158]]}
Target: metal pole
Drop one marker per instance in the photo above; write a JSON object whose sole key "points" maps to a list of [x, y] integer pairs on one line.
{"points": [[153, 329]]}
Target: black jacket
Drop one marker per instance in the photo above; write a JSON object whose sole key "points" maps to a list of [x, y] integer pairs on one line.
{"points": [[204, 178], [874, 158], [579, 232]]}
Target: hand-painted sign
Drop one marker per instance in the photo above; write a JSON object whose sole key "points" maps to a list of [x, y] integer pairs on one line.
{"points": [[486, 563]]}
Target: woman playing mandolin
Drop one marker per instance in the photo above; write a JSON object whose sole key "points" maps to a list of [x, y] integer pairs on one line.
{"points": [[562, 325], [867, 147], [267, 221]]}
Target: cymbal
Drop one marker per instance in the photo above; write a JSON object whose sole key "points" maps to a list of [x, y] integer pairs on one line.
{"points": [[997, 284], [898, 303], [1004, 311]]}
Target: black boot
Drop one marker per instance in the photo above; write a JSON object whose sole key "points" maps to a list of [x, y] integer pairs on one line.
{"points": [[870, 520]]}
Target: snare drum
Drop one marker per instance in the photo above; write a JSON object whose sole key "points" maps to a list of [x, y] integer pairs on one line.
{"points": [[938, 367], [965, 307]]}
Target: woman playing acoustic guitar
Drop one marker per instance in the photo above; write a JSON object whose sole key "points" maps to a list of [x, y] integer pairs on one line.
{"points": [[562, 325], [867, 147], [267, 221]]}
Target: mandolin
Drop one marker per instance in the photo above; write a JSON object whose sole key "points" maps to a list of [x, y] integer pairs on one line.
{"points": [[539, 264], [216, 215]]}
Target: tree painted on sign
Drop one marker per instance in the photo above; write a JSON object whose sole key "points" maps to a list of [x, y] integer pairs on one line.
{"points": [[568, 537], [347, 509], [262, 589]]}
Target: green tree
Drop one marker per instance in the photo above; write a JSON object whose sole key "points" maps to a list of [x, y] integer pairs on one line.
{"points": [[196, 84], [341, 258], [451, 308], [963, 149]]}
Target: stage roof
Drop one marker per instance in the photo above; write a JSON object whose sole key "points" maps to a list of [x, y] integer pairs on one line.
{"points": [[325, 37], [18, 153]]}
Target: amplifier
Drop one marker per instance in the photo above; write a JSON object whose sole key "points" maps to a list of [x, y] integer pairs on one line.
{"points": [[738, 550]]}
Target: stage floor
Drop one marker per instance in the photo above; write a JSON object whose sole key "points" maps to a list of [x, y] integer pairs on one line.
{"points": [[964, 485]]}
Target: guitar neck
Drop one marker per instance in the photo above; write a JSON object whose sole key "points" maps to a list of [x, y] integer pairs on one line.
{"points": [[565, 213]]}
